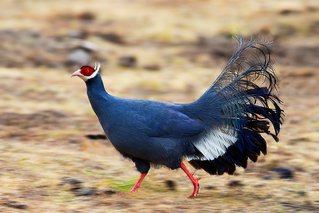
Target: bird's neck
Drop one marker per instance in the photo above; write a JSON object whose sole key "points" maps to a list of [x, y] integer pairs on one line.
{"points": [[98, 97]]}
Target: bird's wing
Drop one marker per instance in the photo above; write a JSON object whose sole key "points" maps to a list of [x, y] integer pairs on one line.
{"points": [[175, 124]]}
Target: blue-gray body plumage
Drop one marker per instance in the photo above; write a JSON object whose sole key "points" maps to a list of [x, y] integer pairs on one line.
{"points": [[218, 131]]}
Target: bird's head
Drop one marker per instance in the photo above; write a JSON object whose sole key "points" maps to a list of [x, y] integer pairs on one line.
{"points": [[86, 72]]}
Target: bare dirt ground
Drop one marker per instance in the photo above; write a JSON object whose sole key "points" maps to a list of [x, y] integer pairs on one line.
{"points": [[160, 50]]}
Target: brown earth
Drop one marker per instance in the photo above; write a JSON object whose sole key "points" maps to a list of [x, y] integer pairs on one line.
{"points": [[179, 48]]}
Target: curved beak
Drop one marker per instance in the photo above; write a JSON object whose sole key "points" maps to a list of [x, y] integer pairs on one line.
{"points": [[76, 73]]}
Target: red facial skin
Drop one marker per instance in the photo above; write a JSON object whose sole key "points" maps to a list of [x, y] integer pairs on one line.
{"points": [[87, 70]]}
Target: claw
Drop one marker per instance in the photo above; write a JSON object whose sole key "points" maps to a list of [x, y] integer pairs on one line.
{"points": [[121, 193]]}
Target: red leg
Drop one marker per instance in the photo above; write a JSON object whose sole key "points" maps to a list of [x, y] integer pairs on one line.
{"points": [[138, 184], [191, 177]]}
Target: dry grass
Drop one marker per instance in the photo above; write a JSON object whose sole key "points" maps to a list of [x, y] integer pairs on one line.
{"points": [[165, 21], [34, 162]]}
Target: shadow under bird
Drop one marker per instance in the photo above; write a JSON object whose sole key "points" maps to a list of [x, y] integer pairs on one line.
{"points": [[215, 133]]}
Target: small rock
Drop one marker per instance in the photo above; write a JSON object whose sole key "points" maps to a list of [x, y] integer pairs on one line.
{"points": [[9, 32], [109, 192], [267, 177], [112, 37], [210, 187], [288, 12], [283, 172], [15, 204], [312, 9], [39, 61], [96, 137], [78, 56], [85, 191], [299, 169], [74, 141], [88, 16], [152, 67], [56, 114], [102, 59], [219, 47], [308, 202], [71, 181], [53, 64], [235, 183], [75, 188], [33, 34], [296, 120], [77, 34], [170, 184], [88, 46], [285, 30], [302, 193], [127, 61]]}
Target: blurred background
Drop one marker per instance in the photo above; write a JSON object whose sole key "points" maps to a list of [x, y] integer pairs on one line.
{"points": [[53, 154]]}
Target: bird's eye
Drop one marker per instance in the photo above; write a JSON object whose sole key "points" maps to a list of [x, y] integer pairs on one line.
{"points": [[87, 70]]}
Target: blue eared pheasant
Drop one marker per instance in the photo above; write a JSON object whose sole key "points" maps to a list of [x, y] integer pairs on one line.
{"points": [[218, 131]]}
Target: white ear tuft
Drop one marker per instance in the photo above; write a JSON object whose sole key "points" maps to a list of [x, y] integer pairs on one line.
{"points": [[98, 67]]}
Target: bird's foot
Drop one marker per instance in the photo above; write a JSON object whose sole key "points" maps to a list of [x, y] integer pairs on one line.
{"points": [[137, 185], [125, 193], [135, 188], [132, 190], [196, 187], [194, 180]]}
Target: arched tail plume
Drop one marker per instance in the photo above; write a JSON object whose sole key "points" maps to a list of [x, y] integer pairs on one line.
{"points": [[238, 107]]}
